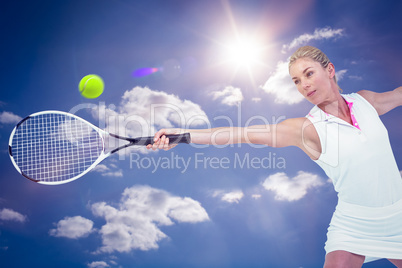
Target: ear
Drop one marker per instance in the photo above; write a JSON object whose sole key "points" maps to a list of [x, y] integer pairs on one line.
{"points": [[331, 70]]}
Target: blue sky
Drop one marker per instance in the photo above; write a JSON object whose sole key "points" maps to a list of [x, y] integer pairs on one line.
{"points": [[219, 63]]}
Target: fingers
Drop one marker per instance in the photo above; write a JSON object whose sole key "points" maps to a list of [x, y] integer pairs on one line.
{"points": [[157, 140], [160, 140], [161, 143], [159, 134]]}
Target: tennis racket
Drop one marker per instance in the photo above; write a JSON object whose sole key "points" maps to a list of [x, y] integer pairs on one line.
{"points": [[53, 147]]}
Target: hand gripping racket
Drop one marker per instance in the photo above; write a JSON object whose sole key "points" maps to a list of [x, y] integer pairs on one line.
{"points": [[53, 147]]}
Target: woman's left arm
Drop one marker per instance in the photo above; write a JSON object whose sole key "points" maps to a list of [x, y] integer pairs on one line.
{"points": [[383, 102]]}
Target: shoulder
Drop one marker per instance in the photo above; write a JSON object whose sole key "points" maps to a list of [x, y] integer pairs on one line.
{"points": [[301, 132], [306, 136], [385, 101], [368, 95], [295, 124], [290, 131]]}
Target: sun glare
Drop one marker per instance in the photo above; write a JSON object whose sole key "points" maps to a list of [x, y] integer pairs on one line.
{"points": [[243, 56], [244, 52]]}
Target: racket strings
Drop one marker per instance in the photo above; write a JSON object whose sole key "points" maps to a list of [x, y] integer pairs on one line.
{"points": [[55, 147]]}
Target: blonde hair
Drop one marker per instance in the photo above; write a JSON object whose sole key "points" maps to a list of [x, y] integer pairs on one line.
{"points": [[312, 53]]}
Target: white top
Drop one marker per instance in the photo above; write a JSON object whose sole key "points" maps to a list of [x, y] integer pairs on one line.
{"points": [[358, 158]]}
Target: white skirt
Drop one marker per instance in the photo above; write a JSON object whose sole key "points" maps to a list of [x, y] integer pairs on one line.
{"points": [[374, 232]]}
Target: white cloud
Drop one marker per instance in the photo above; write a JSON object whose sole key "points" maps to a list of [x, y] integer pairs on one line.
{"points": [[319, 34], [11, 215], [9, 118], [291, 189], [186, 210], [143, 111], [340, 74], [229, 197], [101, 168], [281, 85], [98, 264], [233, 197], [73, 227], [231, 96], [134, 223], [256, 196], [117, 173], [355, 77], [111, 171]]}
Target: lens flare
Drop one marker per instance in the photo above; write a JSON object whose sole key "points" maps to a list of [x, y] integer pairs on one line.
{"points": [[144, 72]]}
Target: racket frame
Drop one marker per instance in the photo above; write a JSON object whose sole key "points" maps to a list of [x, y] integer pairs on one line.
{"points": [[179, 138]]}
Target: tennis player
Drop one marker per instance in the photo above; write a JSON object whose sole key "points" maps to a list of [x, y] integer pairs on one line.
{"points": [[344, 135]]}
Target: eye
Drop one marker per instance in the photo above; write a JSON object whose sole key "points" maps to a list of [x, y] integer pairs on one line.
{"points": [[310, 73], [296, 82]]}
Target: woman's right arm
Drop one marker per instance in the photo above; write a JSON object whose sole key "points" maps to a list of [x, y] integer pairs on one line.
{"points": [[291, 132]]}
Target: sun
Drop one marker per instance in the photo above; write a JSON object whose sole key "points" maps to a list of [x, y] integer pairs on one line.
{"points": [[243, 52], [243, 56]]}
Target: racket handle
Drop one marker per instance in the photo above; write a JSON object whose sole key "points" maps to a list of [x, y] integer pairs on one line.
{"points": [[179, 138], [173, 139]]}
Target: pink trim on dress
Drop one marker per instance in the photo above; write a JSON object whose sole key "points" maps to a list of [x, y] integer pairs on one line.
{"points": [[352, 116]]}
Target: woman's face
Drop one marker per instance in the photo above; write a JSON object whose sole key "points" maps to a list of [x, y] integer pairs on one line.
{"points": [[311, 79]]}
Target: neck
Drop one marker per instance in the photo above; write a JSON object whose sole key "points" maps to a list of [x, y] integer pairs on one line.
{"points": [[336, 106]]}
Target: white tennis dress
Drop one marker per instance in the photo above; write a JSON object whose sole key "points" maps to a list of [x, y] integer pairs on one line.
{"points": [[359, 160]]}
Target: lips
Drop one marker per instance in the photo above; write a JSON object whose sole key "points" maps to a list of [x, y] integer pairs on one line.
{"points": [[311, 93]]}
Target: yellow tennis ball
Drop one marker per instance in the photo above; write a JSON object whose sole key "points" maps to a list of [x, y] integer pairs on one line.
{"points": [[91, 86]]}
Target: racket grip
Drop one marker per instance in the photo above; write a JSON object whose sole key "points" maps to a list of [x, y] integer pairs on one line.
{"points": [[179, 138], [173, 139]]}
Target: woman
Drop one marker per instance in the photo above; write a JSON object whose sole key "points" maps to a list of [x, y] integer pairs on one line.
{"points": [[344, 135]]}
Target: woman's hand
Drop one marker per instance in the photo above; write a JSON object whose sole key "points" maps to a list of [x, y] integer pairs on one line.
{"points": [[160, 140]]}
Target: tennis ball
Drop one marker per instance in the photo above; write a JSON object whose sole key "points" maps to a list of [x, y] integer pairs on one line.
{"points": [[91, 86]]}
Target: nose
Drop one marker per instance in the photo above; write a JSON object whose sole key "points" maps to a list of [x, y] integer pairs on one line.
{"points": [[305, 84]]}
